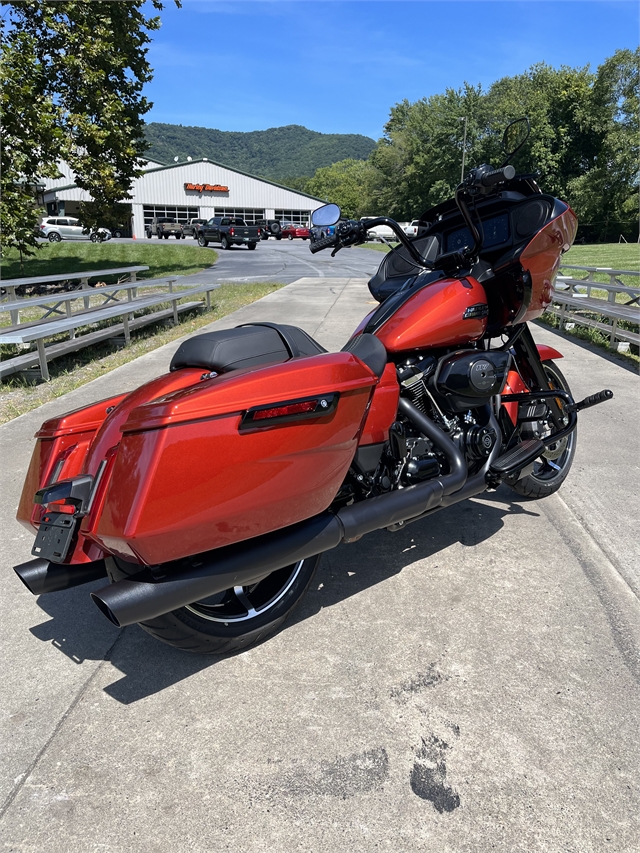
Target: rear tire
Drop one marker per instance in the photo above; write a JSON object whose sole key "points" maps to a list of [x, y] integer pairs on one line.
{"points": [[54, 237], [232, 620], [224, 242], [552, 468], [251, 245]]}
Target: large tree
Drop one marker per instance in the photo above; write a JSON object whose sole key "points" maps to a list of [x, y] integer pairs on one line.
{"points": [[348, 183], [584, 141], [72, 76]]}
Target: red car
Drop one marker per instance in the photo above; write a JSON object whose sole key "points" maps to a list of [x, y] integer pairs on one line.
{"points": [[290, 231]]}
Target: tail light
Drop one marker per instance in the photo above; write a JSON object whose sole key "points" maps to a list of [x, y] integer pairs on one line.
{"points": [[232, 231], [103, 476]]}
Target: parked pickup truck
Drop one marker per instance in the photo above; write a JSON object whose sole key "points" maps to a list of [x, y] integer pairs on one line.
{"points": [[381, 233], [228, 231], [163, 226], [190, 228]]}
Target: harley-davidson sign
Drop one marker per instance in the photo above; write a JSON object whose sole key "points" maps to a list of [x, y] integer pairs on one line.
{"points": [[206, 188]]}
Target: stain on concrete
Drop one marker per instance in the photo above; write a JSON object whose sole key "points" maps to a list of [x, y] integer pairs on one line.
{"points": [[344, 777], [428, 776], [429, 678]]}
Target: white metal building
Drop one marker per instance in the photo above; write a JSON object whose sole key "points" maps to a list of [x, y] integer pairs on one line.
{"points": [[189, 190]]}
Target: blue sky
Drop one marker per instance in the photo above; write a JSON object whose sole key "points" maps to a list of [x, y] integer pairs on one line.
{"points": [[338, 67]]}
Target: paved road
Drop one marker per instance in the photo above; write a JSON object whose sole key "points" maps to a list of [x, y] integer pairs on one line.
{"points": [[466, 685], [282, 261]]}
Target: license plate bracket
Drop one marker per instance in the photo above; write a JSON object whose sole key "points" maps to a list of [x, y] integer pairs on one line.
{"points": [[55, 536]]}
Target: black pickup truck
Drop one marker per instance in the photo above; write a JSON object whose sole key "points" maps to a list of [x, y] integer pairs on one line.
{"points": [[228, 231]]}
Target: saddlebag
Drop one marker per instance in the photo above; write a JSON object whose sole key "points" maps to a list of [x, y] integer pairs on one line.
{"points": [[233, 456]]}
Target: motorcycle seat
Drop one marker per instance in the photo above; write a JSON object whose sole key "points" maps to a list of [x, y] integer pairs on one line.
{"points": [[256, 344]]}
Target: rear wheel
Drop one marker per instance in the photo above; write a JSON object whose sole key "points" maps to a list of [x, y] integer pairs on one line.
{"points": [[225, 242], [231, 620], [251, 245], [551, 469], [54, 237]]}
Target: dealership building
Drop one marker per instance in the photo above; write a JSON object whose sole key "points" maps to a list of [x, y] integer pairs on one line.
{"points": [[188, 190]]}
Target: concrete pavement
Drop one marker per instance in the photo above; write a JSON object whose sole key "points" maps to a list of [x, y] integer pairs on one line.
{"points": [[467, 684]]}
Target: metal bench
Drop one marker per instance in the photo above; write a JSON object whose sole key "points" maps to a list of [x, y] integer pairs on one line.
{"points": [[571, 304], [27, 333], [12, 284], [51, 305]]}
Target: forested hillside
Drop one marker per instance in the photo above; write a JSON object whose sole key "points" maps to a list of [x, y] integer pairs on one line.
{"points": [[291, 151]]}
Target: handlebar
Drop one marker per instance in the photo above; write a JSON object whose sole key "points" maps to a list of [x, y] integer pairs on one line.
{"points": [[506, 173], [325, 243]]}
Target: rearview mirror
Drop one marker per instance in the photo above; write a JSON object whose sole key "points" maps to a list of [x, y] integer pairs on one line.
{"points": [[329, 214], [515, 135]]}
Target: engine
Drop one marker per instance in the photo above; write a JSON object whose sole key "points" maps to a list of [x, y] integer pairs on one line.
{"points": [[454, 391]]}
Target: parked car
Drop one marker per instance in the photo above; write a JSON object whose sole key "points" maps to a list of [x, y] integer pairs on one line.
{"points": [[269, 228], [56, 228], [122, 231], [291, 231], [412, 229], [164, 227], [190, 229], [228, 231]]}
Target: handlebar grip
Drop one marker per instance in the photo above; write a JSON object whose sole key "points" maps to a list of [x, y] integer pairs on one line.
{"points": [[319, 245], [507, 173]]}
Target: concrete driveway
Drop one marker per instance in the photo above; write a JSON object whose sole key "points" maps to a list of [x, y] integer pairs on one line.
{"points": [[468, 684]]}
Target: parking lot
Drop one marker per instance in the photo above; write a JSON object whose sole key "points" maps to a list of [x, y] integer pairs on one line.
{"points": [[282, 261], [468, 684]]}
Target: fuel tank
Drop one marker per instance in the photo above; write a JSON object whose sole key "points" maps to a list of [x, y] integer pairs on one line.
{"points": [[450, 311]]}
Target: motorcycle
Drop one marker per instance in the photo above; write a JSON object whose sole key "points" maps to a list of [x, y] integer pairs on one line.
{"points": [[207, 496]]}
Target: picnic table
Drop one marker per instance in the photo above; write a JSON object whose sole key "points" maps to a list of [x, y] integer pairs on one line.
{"points": [[39, 331]]}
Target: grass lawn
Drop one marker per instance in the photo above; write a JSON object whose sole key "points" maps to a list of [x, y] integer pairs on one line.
{"points": [[17, 396], [72, 257], [377, 247]]}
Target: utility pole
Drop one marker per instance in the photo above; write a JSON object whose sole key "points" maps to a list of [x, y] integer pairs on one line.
{"points": [[464, 147]]}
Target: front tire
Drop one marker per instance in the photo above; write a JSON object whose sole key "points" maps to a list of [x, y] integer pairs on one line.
{"points": [[201, 240], [231, 620], [552, 468]]}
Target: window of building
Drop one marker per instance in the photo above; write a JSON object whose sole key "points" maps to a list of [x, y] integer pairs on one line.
{"points": [[179, 214], [249, 214], [300, 217]]}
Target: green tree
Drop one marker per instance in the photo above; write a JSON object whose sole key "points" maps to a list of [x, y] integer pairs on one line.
{"points": [[349, 184], [72, 77]]}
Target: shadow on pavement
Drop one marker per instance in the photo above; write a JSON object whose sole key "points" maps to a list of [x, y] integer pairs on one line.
{"points": [[78, 630]]}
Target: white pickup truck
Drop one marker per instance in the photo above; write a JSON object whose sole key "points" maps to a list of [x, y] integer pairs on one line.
{"points": [[411, 229], [380, 232]]}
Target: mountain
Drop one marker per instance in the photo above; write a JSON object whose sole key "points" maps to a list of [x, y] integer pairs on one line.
{"points": [[291, 151]]}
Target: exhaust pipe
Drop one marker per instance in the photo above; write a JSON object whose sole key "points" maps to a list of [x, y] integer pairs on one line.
{"points": [[144, 596], [40, 576]]}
